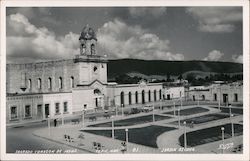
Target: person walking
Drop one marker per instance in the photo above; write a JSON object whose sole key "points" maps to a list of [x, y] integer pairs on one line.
{"points": [[55, 122]]}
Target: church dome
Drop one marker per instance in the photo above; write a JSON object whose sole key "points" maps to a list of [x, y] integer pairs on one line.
{"points": [[87, 33]]}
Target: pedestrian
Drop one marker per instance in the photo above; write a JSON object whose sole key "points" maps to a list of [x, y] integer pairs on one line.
{"points": [[55, 122]]}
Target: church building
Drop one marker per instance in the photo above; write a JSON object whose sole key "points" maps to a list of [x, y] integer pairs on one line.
{"points": [[65, 87]]}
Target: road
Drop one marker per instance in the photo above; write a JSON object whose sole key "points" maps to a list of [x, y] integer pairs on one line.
{"points": [[20, 138]]}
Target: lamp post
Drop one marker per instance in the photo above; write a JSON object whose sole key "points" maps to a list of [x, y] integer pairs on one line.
{"points": [[49, 124], [116, 112], [232, 125], [219, 96], [181, 102], [113, 130], [222, 135], [153, 113], [185, 135], [179, 121], [126, 130], [174, 108], [122, 110], [83, 112]]}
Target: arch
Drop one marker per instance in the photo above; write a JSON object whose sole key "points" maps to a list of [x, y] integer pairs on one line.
{"points": [[97, 91], [129, 98], [203, 97], [160, 94], [49, 83], [60, 82], [122, 98], [92, 48], [155, 98], [72, 82], [149, 96], [136, 97], [39, 83], [142, 97]]}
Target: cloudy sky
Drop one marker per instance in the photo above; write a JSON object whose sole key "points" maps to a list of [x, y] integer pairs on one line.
{"points": [[160, 33]]}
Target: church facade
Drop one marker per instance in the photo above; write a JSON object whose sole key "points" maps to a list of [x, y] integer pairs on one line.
{"points": [[57, 89]]}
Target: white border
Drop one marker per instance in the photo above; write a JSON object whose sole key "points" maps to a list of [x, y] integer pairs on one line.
{"points": [[114, 3]]}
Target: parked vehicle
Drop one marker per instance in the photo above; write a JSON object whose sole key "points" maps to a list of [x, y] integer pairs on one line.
{"points": [[147, 108]]}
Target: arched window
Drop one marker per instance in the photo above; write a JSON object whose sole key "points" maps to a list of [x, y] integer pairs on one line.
{"points": [[92, 49], [149, 96], [60, 82], [160, 94], [49, 83], [97, 91], [29, 84], [129, 98], [155, 98], [39, 83], [122, 98], [136, 97], [143, 97], [72, 85]]}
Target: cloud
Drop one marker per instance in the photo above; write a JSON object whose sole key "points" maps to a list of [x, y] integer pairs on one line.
{"points": [[214, 55], [141, 12], [216, 19], [119, 40], [24, 40], [237, 58]]}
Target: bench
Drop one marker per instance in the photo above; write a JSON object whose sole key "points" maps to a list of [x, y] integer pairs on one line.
{"points": [[68, 138], [97, 146]]}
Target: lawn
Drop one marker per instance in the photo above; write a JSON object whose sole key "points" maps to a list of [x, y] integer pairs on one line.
{"points": [[190, 111], [234, 110], [132, 121], [203, 119], [209, 135], [144, 136]]}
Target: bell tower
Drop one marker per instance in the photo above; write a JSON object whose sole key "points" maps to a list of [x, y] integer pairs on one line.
{"points": [[92, 66], [87, 41]]}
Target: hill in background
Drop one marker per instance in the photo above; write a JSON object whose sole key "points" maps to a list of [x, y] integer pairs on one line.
{"points": [[160, 69]]}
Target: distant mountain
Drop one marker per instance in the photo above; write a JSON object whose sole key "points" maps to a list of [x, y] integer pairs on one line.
{"points": [[173, 68]]}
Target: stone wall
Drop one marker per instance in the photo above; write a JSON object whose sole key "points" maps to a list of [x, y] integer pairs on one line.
{"points": [[27, 76]]}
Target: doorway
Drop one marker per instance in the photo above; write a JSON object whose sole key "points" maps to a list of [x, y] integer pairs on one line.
{"points": [[225, 98], [46, 110], [39, 111]]}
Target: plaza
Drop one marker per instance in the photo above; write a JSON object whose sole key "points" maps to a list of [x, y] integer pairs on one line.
{"points": [[76, 106], [155, 136]]}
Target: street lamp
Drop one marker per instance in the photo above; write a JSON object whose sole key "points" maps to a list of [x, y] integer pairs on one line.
{"points": [[83, 112], [174, 108], [49, 124], [232, 125], [126, 130], [153, 113], [113, 130], [179, 121], [116, 112], [122, 110], [222, 135], [181, 102], [219, 96], [185, 135]]}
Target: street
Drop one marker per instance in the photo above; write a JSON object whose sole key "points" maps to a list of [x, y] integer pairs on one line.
{"points": [[20, 138]]}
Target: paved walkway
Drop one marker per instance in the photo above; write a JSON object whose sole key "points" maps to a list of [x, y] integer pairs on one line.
{"points": [[167, 142]]}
